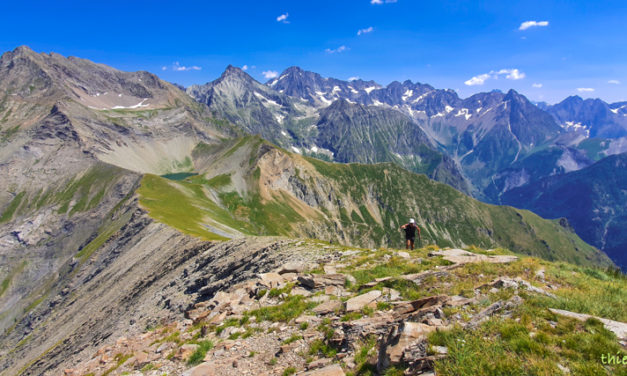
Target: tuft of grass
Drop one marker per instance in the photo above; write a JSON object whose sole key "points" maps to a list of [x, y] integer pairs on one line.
{"points": [[293, 338], [7, 215], [292, 307], [319, 347], [199, 355], [120, 359]]}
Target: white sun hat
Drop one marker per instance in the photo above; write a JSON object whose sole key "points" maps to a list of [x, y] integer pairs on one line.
{"points": [[411, 220]]}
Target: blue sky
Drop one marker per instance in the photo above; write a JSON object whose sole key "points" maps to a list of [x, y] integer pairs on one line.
{"points": [[573, 48]]}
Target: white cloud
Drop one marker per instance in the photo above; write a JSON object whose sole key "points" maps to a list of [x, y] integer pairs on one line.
{"points": [[354, 78], [477, 80], [365, 31], [510, 74], [613, 82], [283, 18], [181, 68], [537, 86], [245, 67], [527, 24], [164, 68], [338, 50], [270, 74], [585, 89], [379, 2]]}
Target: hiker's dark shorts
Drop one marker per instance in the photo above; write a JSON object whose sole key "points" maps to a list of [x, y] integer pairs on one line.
{"points": [[413, 238]]}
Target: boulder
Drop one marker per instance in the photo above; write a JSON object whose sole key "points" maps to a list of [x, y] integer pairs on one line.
{"points": [[317, 281], [327, 307], [515, 283], [331, 370], [405, 342], [492, 309], [458, 301], [329, 269], [403, 308], [334, 290], [459, 256], [300, 291], [617, 327], [271, 280], [417, 278], [318, 363], [363, 300], [359, 329], [204, 369], [291, 267]]}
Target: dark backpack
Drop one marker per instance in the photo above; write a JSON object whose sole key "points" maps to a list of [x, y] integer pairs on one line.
{"points": [[410, 230]]}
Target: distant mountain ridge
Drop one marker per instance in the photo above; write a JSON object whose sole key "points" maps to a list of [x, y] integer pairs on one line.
{"points": [[323, 125], [594, 116]]}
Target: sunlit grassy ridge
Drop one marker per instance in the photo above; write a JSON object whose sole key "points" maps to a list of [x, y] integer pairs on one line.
{"points": [[531, 340]]}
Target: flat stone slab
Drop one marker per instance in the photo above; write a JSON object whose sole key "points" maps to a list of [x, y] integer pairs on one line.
{"points": [[204, 369], [327, 307], [360, 301], [332, 370], [617, 327], [460, 256]]}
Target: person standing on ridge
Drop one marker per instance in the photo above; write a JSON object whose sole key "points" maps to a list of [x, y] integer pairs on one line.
{"points": [[410, 233]]}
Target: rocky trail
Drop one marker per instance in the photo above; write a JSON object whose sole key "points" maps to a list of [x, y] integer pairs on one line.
{"points": [[316, 318]]}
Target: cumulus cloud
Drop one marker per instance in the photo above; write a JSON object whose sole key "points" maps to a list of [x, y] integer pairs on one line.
{"points": [[613, 82], [477, 80], [527, 24], [283, 18], [585, 89], [536, 85], [245, 67], [270, 74], [177, 67], [365, 31], [336, 50], [379, 2], [510, 74]]}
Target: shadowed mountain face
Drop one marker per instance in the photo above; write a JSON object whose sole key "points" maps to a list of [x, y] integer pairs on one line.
{"points": [[594, 200], [594, 116]]}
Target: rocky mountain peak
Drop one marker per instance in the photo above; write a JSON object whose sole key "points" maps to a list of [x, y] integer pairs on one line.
{"points": [[235, 72], [514, 96]]}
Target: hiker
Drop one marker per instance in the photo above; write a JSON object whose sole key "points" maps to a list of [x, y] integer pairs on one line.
{"points": [[410, 233]]}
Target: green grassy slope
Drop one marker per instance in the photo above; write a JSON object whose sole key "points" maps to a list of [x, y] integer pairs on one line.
{"points": [[238, 192]]}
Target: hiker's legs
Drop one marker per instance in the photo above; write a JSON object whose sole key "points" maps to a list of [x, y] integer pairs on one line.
{"points": [[411, 243], [407, 243]]}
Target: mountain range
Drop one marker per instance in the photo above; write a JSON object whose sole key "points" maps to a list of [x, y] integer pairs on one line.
{"points": [[113, 180], [485, 145]]}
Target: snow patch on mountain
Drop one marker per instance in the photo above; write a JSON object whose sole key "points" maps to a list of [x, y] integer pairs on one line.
{"points": [[464, 112], [407, 94]]}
